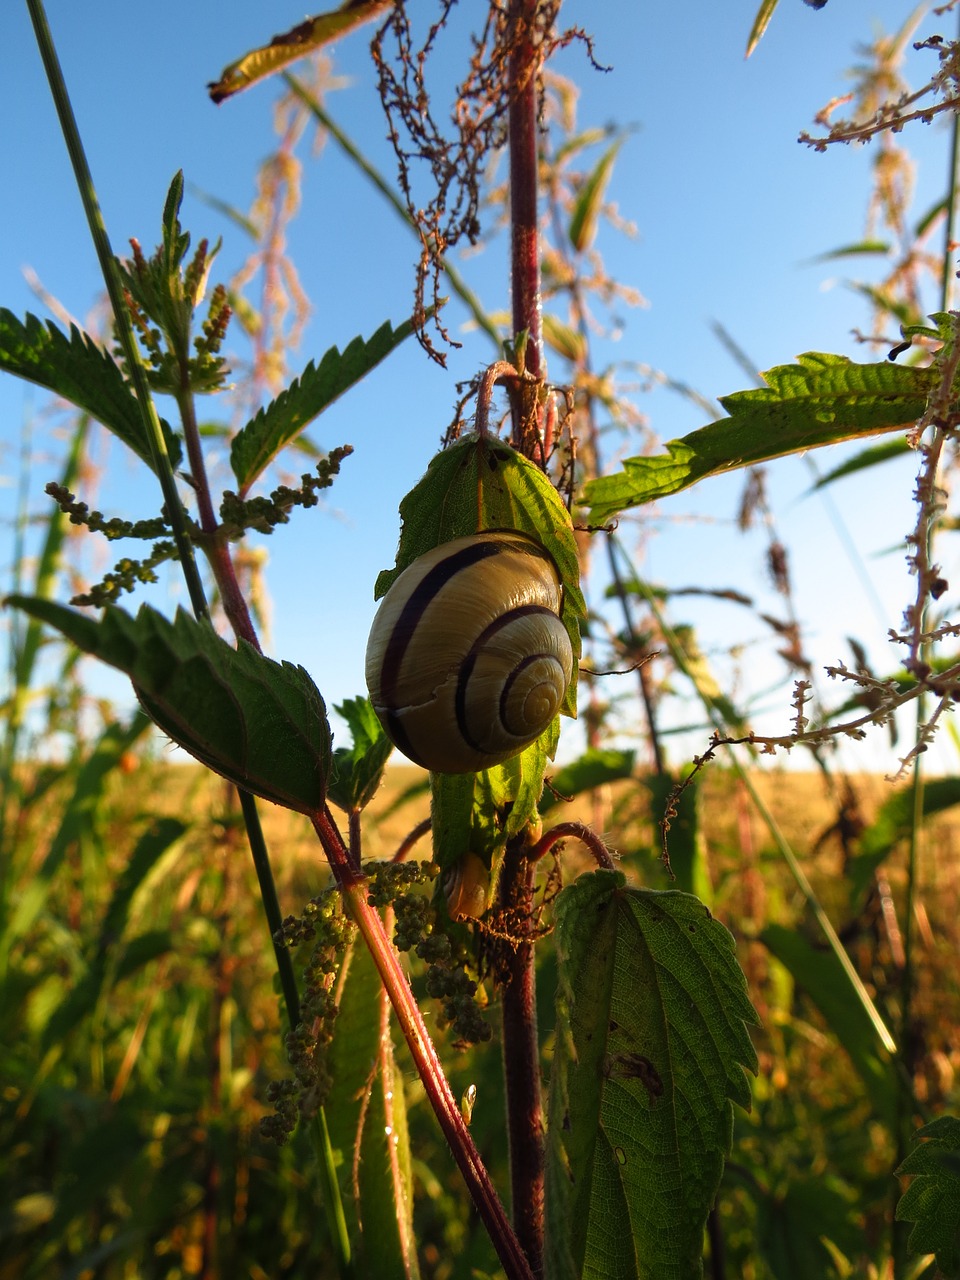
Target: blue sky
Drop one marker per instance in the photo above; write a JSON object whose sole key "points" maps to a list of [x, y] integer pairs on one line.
{"points": [[730, 211]]}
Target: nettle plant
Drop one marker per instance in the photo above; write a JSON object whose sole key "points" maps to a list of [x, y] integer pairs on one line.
{"points": [[472, 661]]}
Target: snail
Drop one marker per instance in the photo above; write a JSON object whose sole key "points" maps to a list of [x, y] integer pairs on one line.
{"points": [[466, 887], [468, 660]]}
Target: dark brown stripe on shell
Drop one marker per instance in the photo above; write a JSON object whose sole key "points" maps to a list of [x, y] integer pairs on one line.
{"points": [[406, 624], [469, 662]]}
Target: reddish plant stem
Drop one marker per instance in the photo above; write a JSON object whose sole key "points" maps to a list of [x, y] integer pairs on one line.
{"points": [[216, 551], [525, 231], [352, 885], [576, 831], [521, 1059]]}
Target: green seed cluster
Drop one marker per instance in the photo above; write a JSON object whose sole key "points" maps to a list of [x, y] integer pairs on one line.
{"points": [[323, 925], [416, 930], [264, 514]]}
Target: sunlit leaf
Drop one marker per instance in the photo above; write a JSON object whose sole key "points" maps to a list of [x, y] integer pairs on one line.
{"points": [[306, 37], [589, 200], [260, 723], [358, 769], [79, 371], [257, 444], [823, 399], [651, 1049], [760, 23]]}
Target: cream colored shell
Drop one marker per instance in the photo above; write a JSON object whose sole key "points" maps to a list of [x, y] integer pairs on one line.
{"points": [[468, 660]]}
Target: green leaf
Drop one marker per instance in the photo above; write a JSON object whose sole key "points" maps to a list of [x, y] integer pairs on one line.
{"points": [[792, 1228], [893, 823], [260, 723], [595, 768], [367, 1081], [358, 770], [258, 443], [76, 369], [589, 200], [760, 22], [303, 39], [820, 976], [871, 456], [932, 1200], [482, 483], [821, 400], [651, 1046], [685, 838]]}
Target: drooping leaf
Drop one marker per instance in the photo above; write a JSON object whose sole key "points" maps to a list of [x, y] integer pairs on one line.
{"points": [[79, 371], [858, 249], [589, 200], [932, 1200], [760, 23], [823, 399], [257, 444], [819, 975], [305, 38], [651, 1046], [871, 456], [260, 723], [595, 768], [367, 1122], [358, 769]]}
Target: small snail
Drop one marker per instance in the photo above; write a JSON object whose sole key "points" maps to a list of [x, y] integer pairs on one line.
{"points": [[468, 660], [466, 887]]}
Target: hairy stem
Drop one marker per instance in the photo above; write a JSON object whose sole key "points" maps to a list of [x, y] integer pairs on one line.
{"points": [[352, 885]]}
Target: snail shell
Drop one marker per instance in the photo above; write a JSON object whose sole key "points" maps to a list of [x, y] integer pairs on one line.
{"points": [[466, 887], [468, 660]]}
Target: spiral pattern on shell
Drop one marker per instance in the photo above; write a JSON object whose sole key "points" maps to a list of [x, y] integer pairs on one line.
{"points": [[468, 660]]}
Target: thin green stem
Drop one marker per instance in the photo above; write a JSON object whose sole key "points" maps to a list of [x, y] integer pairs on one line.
{"points": [[219, 557], [111, 276]]}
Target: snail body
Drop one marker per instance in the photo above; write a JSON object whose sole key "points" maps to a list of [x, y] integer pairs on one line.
{"points": [[468, 660]]}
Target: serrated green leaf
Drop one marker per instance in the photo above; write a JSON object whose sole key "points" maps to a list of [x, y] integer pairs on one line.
{"points": [[305, 38], [260, 723], [363, 1054], [258, 443], [823, 399], [820, 976], [589, 200], [932, 1200], [651, 1046], [79, 371], [358, 769], [482, 483]]}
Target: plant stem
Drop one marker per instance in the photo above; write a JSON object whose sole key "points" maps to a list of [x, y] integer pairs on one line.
{"points": [[352, 884], [519, 1007], [111, 276], [521, 1058]]}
